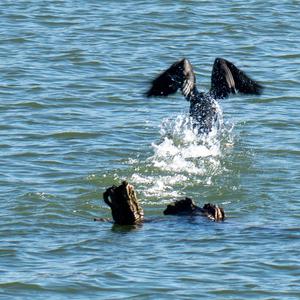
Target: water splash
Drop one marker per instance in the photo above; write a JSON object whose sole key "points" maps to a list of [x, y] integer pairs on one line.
{"points": [[182, 158], [180, 146]]}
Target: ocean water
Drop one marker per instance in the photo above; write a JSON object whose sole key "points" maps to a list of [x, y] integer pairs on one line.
{"points": [[74, 120]]}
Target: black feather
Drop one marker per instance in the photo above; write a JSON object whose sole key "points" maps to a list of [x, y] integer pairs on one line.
{"points": [[227, 79]]}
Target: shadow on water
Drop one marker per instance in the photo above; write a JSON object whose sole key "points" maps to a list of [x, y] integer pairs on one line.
{"points": [[124, 229]]}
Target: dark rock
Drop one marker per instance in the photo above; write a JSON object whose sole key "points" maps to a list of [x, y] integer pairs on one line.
{"points": [[182, 207], [214, 212], [126, 210], [124, 204], [188, 207]]}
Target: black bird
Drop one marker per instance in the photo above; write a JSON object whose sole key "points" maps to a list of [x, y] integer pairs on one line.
{"points": [[226, 79]]}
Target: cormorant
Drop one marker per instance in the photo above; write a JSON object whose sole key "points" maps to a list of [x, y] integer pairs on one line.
{"points": [[226, 79]]}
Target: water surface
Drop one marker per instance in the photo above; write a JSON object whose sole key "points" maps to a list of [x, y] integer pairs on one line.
{"points": [[74, 120]]}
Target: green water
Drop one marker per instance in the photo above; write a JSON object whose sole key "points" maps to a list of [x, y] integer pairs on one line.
{"points": [[74, 121]]}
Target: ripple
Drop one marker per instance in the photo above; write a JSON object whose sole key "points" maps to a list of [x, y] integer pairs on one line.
{"points": [[17, 285], [69, 135], [31, 104]]}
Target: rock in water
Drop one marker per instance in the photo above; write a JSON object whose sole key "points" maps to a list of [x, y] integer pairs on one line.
{"points": [[126, 210], [214, 212], [124, 204], [188, 207], [182, 207]]}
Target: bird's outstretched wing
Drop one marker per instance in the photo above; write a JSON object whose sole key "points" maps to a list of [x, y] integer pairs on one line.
{"points": [[179, 75], [226, 78]]}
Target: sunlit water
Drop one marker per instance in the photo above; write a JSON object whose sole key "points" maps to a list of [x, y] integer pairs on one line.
{"points": [[74, 121]]}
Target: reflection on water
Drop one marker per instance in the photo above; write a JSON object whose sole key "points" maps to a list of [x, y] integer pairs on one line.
{"points": [[126, 228]]}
